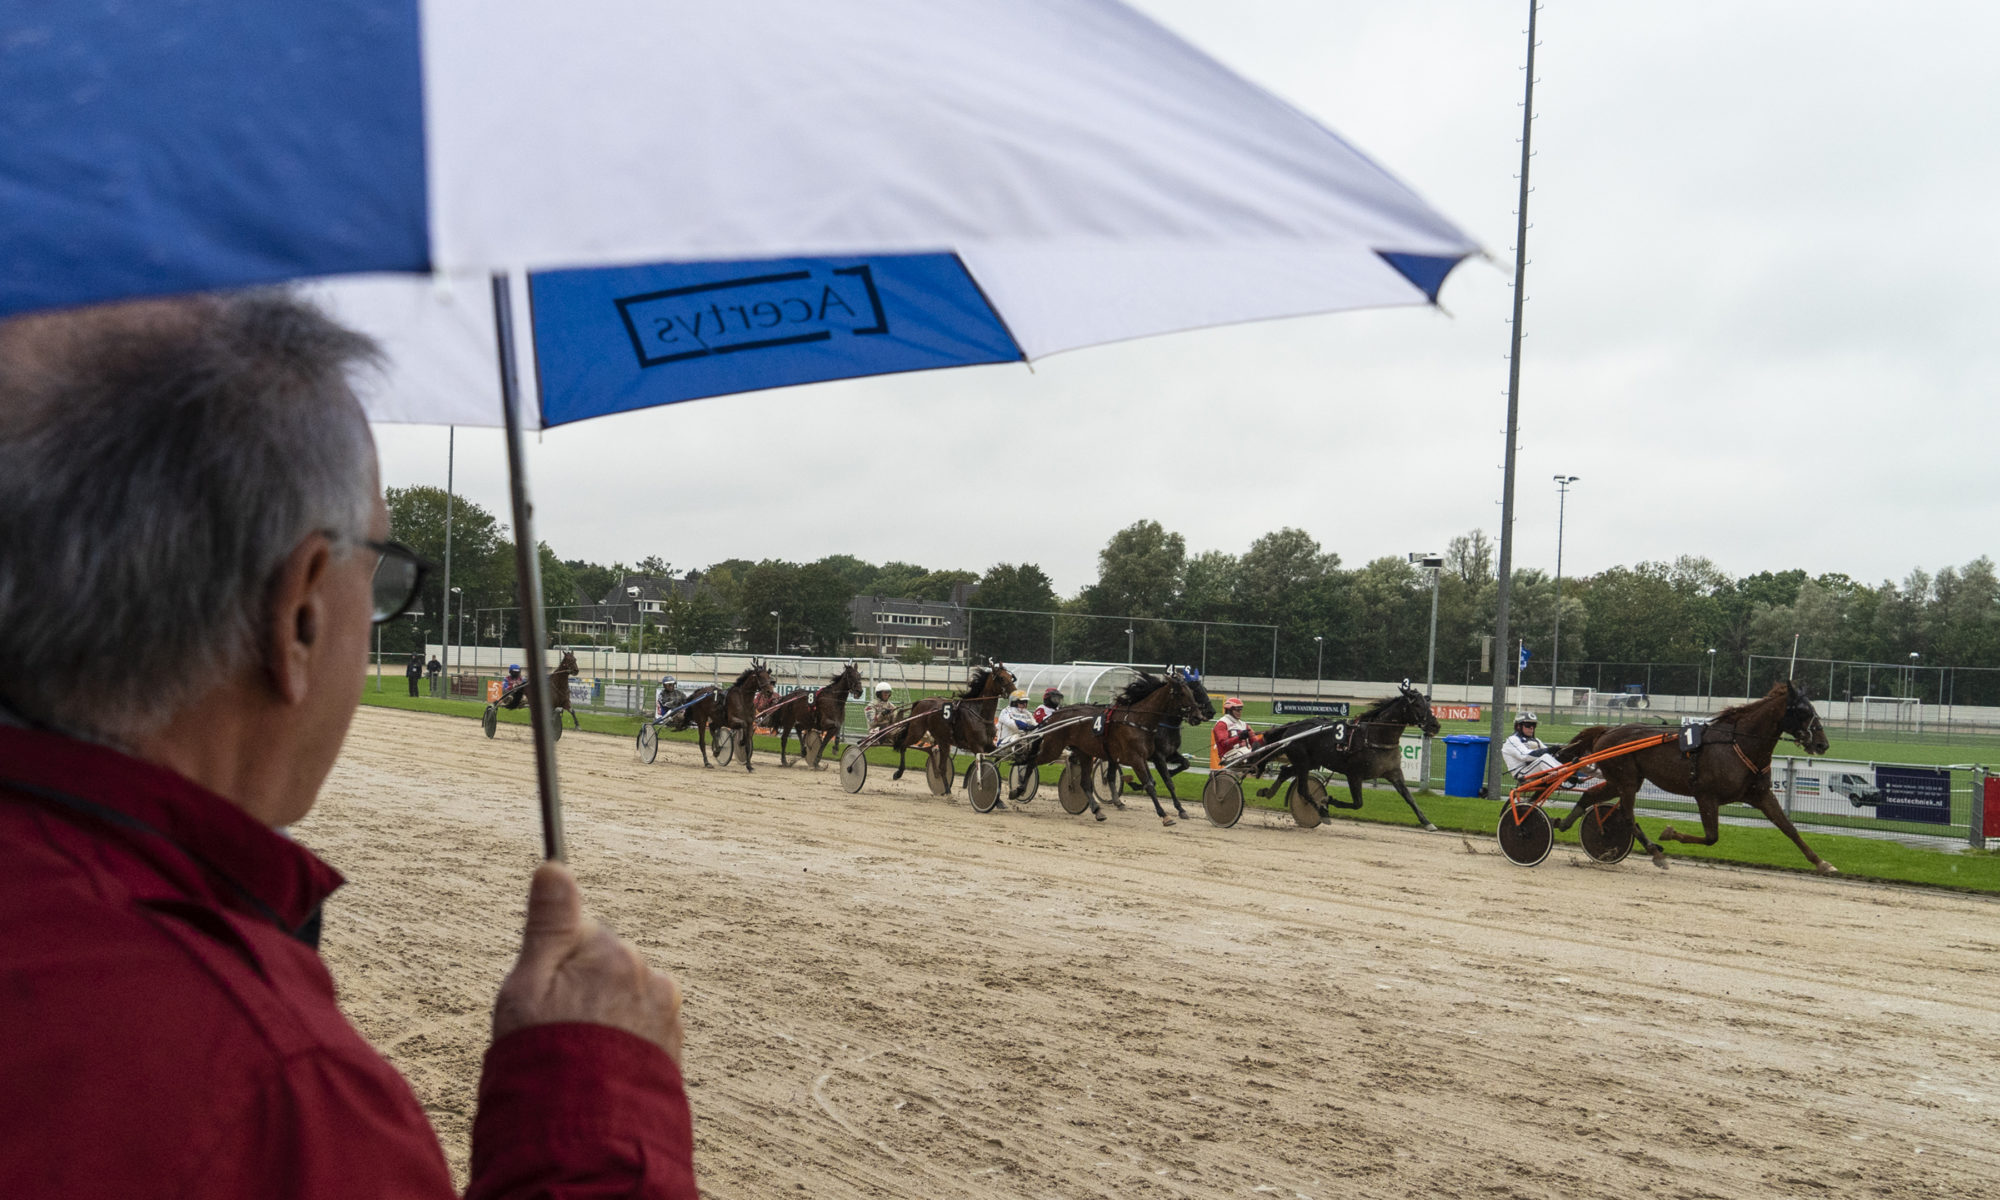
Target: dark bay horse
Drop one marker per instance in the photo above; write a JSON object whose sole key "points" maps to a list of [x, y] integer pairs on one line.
{"points": [[1370, 747], [1124, 733], [1730, 765], [734, 708], [1167, 757], [951, 724], [559, 678], [823, 710]]}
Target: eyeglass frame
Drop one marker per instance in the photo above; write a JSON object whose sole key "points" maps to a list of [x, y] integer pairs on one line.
{"points": [[384, 552]]}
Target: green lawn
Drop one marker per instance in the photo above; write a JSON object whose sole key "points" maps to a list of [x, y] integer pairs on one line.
{"points": [[1864, 858]]}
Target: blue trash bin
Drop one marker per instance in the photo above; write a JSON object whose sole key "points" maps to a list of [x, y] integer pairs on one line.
{"points": [[1465, 763]]}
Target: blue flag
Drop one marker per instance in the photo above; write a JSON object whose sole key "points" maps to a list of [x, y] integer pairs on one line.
{"points": [[1524, 656]]}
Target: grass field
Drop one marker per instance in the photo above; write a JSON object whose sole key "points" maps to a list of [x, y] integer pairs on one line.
{"points": [[1865, 858]]}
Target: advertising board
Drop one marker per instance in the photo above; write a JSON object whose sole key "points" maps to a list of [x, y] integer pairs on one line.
{"points": [[1309, 708], [1914, 794]]}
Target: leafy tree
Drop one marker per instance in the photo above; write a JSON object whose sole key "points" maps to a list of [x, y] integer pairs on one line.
{"points": [[481, 558], [1013, 636], [899, 579], [915, 654], [856, 576], [811, 601], [594, 580]]}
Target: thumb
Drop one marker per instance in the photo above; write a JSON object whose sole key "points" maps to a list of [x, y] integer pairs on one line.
{"points": [[555, 913]]}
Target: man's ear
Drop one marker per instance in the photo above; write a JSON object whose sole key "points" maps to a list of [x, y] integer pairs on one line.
{"points": [[297, 617]]}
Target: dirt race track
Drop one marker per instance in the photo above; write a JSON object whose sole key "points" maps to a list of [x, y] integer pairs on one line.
{"points": [[891, 995]]}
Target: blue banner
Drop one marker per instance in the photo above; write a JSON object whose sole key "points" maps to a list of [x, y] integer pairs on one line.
{"points": [[1914, 794], [1309, 708], [620, 338]]}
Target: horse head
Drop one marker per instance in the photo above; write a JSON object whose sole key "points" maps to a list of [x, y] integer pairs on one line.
{"points": [[568, 663], [852, 678], [1418, 709], [1002, 677], [1801, 721], [1191, 709], [1192, 678]]}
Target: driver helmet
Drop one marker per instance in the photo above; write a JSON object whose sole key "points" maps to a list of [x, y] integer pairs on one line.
{"points": [[1052, 696], [513, 668], [1233, 703], [1020, 696], [1524, 718], [883, 689]]}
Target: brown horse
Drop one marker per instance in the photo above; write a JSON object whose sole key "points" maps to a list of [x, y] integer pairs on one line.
{"points": [[1122, 733], [1370, 747], [822, 710], [985, 688], [1730, 764], [559, 679], [734, 708], [951, 724]]}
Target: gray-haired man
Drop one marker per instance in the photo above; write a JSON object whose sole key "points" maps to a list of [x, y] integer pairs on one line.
{"points": [[199, 473]]}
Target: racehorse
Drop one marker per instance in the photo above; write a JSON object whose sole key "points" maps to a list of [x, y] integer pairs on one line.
{"points": [[559, 678], [734, 707], [1124, 733], [1365, 747], [1167, 757], [984, 688], [957, 722], [823, 710], [1730, 763]]}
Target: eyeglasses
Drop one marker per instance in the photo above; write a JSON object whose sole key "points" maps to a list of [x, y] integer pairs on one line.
{"points": [[399, 575]]}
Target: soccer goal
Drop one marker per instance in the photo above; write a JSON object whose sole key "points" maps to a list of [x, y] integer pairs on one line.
{"points": [[1898, 714]]}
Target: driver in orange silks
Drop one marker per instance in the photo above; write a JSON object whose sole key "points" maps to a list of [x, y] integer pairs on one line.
{"points": [[1232, 737]]}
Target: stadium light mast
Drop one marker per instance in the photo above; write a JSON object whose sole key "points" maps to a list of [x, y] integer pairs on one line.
{"points": [[1555, 651], [777, 634], [1498, 717], [1319, 662], [1432, 563]]}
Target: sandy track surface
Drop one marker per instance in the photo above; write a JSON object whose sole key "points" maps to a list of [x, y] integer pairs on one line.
{"points": [[890, 995]]}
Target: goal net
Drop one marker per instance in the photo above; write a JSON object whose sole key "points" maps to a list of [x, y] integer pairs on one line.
{"points": [[1892, 714]]}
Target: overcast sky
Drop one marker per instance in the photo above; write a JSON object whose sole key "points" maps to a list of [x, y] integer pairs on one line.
{"points": [[1761, 328]]}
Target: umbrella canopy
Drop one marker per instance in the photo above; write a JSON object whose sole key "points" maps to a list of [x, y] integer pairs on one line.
{"points": [[698, 198]]}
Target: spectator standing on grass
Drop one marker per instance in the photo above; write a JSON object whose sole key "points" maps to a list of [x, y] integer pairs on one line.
{"points": [[435, 670], [170, 1029], [415, 671]]}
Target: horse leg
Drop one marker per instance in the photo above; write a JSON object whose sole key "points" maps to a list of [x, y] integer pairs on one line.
{"points": [[1601, 794], [1167, 774], [1711, 826], [1403, 789], [902, 751], [749, 738], [1767, 802], [1083, 764], [784, 738], [701, 739], [1286, 771], [1655, 852], [1145, 778]]}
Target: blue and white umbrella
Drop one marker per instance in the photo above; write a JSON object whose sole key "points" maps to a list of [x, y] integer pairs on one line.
{"points": [[696, 198]]}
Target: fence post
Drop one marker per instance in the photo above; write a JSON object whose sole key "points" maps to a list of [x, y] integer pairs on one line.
{"points": [[1976, 835], [1791, 781]]}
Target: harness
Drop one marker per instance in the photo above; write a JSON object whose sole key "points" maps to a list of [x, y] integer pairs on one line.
{"points": [[1693, 737]]}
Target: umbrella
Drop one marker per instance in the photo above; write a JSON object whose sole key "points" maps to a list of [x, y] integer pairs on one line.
{"points": [[695, 199]]}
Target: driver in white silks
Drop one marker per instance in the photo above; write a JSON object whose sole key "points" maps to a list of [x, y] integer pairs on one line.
{"points": [[1524, 754], [1015, 719]]}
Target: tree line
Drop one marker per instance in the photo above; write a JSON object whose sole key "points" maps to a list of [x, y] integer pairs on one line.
{"points": [[1288, 604]]}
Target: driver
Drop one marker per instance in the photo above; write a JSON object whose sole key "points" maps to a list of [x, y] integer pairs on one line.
{"points": [[1015, 719], [1232, 738], [1525, 754], [510, 687], [1051, 701], [882, 710], [669, 693]]}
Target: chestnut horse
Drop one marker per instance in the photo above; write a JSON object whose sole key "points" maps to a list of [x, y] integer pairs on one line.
{"points": [[982, 695], [823, 710], [1731, 765], [734, 708], [1123, 733]]}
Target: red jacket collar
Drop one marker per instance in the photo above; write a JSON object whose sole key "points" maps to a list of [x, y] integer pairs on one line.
{"points": [[188, 831]]}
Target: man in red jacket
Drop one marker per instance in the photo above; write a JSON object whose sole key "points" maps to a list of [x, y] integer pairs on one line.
{"points": [[200, 475]]}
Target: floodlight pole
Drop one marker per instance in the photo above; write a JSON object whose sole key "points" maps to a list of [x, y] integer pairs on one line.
{"points": [[444, 633], [1497, 716], [1555, 651], [528, 575]]}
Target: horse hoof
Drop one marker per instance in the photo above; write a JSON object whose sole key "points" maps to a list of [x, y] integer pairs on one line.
{"points": [[1660, 859], [1428, 827], [1826, 868], [1167, 821], [1098, 813]]}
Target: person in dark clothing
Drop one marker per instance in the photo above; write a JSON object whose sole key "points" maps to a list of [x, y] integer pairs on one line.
{"points": [[415, 671], [435, 670]]}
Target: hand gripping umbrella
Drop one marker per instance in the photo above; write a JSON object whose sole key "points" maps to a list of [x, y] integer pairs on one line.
{"points": [[697, 198]]}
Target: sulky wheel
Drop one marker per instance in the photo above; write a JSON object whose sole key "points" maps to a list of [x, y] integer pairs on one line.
{"points": [[1306, 797], [725, 746], [1222, 799], [491, 720], [649, 742], [937, 770], [1028, 778], [982, 785], [853, 769], [1606, 832], [1069, 789], [1526, 834], [812, 743]]}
